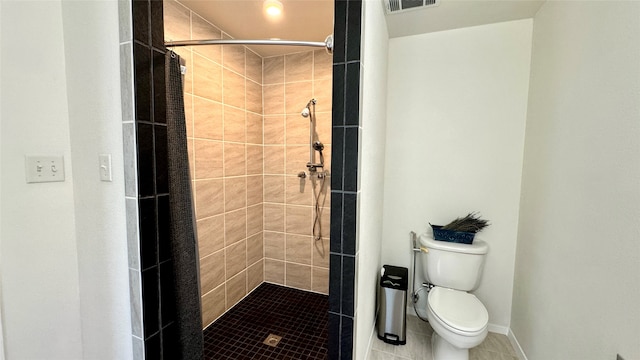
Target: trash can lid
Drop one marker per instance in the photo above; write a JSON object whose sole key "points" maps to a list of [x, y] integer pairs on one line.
{"points": [[394, 277]]}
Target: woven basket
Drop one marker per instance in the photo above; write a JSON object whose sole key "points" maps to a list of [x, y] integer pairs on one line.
{"points": [[460, 237]]}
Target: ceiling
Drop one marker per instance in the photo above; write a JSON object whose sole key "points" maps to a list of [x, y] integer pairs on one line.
{"points": [[312, 20], [302, 20]]}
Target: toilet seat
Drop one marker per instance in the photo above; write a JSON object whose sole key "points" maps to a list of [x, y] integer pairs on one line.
{"points": [[458, 311]]}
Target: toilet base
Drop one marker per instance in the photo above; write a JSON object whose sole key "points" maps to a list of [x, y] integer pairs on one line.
{"points": [[442, 350]]}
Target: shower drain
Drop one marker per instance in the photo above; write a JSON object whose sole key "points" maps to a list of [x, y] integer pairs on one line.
{"points": [[272, 340]]}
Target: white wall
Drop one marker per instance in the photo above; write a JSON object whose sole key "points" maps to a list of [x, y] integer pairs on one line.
{"points": [[577, 283], [371, 172], [456, 115], [39, 255], [64, 269], [1, 307], [92, 60]]}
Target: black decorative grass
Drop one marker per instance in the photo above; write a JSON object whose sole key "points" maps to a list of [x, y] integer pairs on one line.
{"points": [[471, 223]]}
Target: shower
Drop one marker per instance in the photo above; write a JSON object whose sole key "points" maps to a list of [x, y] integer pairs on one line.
{"points": [[262, 231]]}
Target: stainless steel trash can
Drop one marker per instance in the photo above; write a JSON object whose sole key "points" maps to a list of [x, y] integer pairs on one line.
{"points": [[392, 305]]}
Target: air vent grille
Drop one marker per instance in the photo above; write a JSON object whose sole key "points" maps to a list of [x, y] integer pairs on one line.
{"points": [[396, 6]]}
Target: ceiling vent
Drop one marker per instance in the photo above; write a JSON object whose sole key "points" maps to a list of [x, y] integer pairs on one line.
{"points": [[398, 6]]}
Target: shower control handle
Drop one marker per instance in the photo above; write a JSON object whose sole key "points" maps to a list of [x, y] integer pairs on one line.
{"points": [[314, 167]]}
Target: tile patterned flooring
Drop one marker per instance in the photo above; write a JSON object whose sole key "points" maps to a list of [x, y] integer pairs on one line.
{"points": [[300, 317], [418, 347]]}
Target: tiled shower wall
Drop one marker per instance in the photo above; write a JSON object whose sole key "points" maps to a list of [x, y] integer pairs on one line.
{"points": [[344, 181], [223, 106], [292, 256], [146, 180]]}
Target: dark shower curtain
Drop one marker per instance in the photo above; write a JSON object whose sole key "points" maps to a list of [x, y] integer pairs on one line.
{"points": [[183, 231]]}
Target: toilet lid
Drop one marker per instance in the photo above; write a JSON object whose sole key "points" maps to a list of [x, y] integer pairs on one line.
{"points": [[458, 309]]}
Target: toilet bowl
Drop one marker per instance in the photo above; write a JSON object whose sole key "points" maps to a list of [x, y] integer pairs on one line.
{"points": [[459, 321]]}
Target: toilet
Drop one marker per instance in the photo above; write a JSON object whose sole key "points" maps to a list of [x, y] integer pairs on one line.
{"points": [[459, 320]]}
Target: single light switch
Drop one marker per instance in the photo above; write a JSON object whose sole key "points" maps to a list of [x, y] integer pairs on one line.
{"points": [[44, 168], [105, 167]]}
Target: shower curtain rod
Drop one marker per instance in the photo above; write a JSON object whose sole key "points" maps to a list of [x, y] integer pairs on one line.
{"points": [[327, 44]]}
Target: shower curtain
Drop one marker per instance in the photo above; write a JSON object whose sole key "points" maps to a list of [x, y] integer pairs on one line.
{"points": [[183, 231]]}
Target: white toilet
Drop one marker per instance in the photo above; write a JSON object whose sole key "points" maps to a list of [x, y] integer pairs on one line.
{"points": [[459, 320]]}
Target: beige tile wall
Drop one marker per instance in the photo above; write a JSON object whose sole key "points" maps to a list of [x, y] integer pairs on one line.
{"points": [[247, 142], [291, 255], [223, 105]]}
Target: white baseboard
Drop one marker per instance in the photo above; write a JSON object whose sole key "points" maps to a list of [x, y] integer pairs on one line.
{"points": [[516, 346], [498, 329]]}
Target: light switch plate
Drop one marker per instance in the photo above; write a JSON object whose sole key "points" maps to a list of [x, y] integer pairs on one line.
{"points": [[105, 167], [44, 168]]}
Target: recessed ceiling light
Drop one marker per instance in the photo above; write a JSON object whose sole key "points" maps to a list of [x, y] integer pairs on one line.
{"points": [[272, 8]]}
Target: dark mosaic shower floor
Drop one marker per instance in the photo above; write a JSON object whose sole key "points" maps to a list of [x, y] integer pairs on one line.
{"points": [[300, 317]]}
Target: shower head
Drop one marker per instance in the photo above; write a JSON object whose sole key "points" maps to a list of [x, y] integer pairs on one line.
{"points": [[306, 111]]}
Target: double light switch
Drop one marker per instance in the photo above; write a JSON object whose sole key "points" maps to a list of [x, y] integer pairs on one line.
{"points": [[44, 169]]}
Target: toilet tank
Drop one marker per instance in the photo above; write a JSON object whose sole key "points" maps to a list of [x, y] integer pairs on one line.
{"points": [[452, 265]]}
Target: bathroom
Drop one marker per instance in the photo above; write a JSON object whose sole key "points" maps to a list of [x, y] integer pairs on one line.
{"points": [[574, 128]]}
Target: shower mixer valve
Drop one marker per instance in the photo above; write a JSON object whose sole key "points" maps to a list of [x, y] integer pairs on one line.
{"points": [[314, 167]]}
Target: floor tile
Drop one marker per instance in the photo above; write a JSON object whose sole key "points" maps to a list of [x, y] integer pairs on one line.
{"points": [[300, 317], [418, 346], [379, 355], [419, 326], [480, 354], [497, 343], [383, 346]]}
